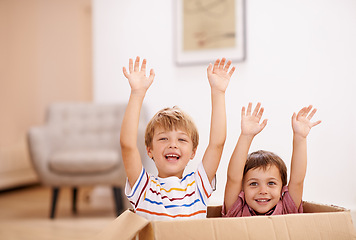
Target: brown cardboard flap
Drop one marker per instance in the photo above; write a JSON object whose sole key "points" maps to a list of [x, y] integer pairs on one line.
{"points": [[337, 225], [318, 222], [311, 207], [124, 227], [308, 207]]}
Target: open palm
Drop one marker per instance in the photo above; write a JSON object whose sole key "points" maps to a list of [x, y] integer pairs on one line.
{"points": [[219, 74], [250, 122], [137, 77], [301, 122]]}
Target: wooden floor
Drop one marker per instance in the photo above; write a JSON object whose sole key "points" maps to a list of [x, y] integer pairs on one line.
{"points": [[24, 214]]}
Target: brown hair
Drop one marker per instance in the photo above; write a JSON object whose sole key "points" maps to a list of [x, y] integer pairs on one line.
{"points": [[266, 159], [172, 119]]}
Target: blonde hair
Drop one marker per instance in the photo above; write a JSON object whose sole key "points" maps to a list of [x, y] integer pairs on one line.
{"points": [[266, 159], [172, 119]]}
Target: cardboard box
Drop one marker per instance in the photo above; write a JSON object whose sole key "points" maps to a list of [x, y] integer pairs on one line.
{"points": [[317, 222]]}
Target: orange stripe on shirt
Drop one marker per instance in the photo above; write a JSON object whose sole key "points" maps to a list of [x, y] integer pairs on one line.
{"points": [[171, 216], [171, 189]]}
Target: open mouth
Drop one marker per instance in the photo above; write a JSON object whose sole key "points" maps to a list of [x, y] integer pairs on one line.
{"points": [[262, 200], [172, 157]]}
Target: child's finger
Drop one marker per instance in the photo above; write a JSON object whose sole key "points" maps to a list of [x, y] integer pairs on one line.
{"points": [[137, 64], [307, 110], [301, 112], [125, 72], [312, 113], [209, 69], [143, 66], [243, 112], [249, 108], [227, 66], [263, 124], [260, 113], [316, 123], [255, 112], [222, 63], [152, 75], [294, 117], [216, 64], [231, 71], [130, 65]]}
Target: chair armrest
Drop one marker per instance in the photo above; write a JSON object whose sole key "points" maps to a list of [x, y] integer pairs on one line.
{"points": [[40, 147]]}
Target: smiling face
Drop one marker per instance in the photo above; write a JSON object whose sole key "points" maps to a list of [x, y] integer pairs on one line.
{"points": [[262, 188], [171, 150]]}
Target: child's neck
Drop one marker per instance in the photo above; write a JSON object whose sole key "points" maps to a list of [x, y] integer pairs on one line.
{"points": [[269, 212], [180, 176]]}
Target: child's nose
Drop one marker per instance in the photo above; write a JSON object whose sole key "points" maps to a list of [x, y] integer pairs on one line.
{"points": [[263, 189], [173, 144]]}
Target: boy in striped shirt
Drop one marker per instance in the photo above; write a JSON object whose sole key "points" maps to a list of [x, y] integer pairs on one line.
{"points": [[171, 141]]}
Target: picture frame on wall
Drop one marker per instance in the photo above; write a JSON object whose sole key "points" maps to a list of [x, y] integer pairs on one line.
{"points": [[209, 29]]}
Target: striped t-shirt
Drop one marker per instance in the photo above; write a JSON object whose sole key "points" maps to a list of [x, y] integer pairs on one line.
{"points": [[170, 198]]}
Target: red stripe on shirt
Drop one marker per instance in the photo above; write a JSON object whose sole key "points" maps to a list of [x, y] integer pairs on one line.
{"points": [[201, 179], [143, 190], [172, 199]]}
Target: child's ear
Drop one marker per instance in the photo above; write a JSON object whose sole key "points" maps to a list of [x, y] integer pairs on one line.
{"points": [[149, 152], [193, 154]]}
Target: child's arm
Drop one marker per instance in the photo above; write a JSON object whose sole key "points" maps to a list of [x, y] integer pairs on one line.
{"points": [[219, 77], [250, 127], [301, 125], [139, 84]]}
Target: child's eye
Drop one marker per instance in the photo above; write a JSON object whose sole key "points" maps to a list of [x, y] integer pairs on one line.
{"points": [[162, 138], [182, 140], [253, 184], [271, 183]]}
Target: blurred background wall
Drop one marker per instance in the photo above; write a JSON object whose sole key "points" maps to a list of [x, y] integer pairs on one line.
{"points": [[298, 53], [45, 56]]}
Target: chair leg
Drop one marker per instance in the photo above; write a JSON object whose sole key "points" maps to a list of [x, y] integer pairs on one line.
{"points": [[74, 200], [55, 192], [118, 200]]}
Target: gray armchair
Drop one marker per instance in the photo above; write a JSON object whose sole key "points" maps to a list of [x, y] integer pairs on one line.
{"points": [[79, 146]]}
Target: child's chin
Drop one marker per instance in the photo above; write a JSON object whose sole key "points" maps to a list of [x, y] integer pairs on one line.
{"points": [[263, 210], [172, 160]]}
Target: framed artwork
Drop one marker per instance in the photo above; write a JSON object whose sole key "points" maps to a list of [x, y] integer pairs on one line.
{"points": [[209, 29]]}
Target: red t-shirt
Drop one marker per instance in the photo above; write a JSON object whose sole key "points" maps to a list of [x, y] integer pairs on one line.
{"points": [[284, 206]]}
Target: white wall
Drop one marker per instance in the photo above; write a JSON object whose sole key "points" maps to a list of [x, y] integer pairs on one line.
{"points": [[298, 53]]}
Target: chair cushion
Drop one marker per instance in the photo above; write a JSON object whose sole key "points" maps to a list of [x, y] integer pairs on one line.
{"points": [[87, 161]]}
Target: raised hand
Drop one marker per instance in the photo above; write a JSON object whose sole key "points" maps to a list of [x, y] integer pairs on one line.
{"points": [[250, 122], [219, 74], [301, 122], [137, 77]]}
